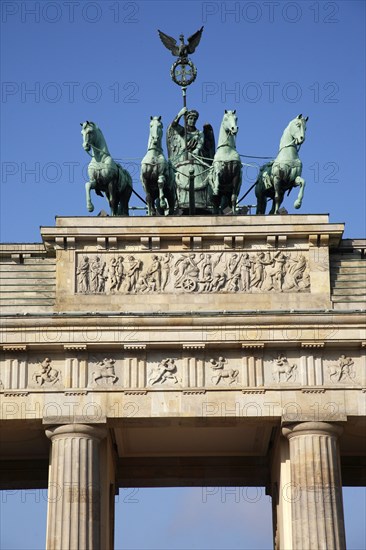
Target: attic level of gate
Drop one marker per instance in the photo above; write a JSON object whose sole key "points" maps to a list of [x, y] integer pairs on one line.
{"points": [[244, 263]]}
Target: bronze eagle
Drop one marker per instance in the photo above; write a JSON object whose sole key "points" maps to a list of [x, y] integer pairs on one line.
{"points": [[181, 50]]}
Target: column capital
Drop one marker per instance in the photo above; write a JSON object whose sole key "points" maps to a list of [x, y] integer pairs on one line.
{"points": [[96, 432], [311, 428]]}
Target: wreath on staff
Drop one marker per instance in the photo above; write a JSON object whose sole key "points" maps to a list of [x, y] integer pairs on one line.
{"points": [[183, 72]]}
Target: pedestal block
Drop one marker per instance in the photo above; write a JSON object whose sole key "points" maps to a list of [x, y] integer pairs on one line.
{"points": [[74, 490], [316, 486]]}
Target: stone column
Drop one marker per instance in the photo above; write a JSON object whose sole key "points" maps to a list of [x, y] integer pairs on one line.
{"points": [[316, 486], [74, 489]]}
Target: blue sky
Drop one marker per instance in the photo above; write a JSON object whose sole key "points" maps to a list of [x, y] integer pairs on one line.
{"points": [[66, 62]]}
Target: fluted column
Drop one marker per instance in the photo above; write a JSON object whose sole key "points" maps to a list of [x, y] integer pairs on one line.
{"points": [[74, 491], [316, 486]]}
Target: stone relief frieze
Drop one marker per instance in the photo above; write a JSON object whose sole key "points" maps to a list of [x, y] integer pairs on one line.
{"points": [[165, 371], [222, 373], [342, 371], [282, 370], [193, 272], [46, 375], [104, 373], [194, 370]]}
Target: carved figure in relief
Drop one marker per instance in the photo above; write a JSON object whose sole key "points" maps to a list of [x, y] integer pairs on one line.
{"points": [[245, 266], [165, 262], [342, 370], [295, 273], [282, 366], [279, 266], [166, 370], [259, 266], [218, 283], [98, 277], [232, 265], [1, 385], [233, 283], [153, 275], [207, 270], [142, 285], [221, 373], [206, 275], [46, 374], [113, 276], [133, 273], [275, 273], [120, 271], [105, 372], [83, 276], [187, 272]]}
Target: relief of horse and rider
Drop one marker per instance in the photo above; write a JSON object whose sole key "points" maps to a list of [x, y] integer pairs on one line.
{"points": [[197, 177]]}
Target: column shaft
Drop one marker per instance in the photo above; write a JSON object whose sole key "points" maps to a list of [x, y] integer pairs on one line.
{"points": [[74, 491], [316, 496]]}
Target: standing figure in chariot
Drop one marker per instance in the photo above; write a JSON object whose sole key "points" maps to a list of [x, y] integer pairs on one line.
{"points": [[197, 156]]}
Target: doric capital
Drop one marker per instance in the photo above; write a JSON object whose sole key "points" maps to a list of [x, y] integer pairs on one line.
{"points": [[88, 431], [311, 428]]}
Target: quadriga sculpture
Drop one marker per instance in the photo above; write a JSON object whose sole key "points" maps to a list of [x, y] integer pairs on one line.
{"points": [[283, 173], [226, 167], [105, 175], [157, 174]]}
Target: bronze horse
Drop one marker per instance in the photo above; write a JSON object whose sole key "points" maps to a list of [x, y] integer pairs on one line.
{"points": [[105, 175]]}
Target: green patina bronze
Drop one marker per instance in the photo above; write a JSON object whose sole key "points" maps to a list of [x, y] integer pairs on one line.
{"points": [[191, 153], [195, 179], [283, 173], [157, 175], [226, 174], [105, 175]]}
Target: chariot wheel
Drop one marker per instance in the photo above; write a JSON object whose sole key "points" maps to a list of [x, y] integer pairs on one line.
{"points": [[189, 285]]}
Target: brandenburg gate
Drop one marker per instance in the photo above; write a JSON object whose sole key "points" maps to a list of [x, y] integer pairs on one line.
{"points": [[202, 351]]}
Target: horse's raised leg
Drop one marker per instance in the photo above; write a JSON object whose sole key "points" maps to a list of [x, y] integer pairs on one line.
{"points": [[299, 182], [89, 185]]}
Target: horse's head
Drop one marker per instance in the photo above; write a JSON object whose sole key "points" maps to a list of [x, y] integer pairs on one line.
{"points": [[297, 128], [88, 131], [156, 131], [230, 122]]}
